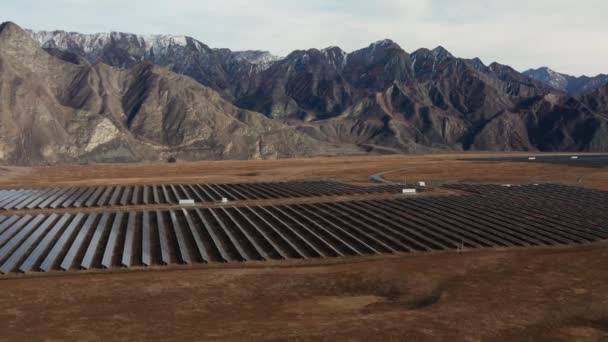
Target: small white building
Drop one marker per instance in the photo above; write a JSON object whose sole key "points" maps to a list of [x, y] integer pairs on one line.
{"points": [[531, 158], [423, 184], [224, 200], [407, 191], [574, 157], [186, 202]]}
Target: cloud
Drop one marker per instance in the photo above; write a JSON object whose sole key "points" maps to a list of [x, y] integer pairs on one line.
{"points": [[565, 35]]}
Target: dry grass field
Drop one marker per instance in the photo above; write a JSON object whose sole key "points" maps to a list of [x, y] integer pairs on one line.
{"points": [[436, 168], [536, 294]]}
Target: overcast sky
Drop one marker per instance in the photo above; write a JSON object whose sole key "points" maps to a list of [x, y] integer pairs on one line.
{"points": [[566, 35]]}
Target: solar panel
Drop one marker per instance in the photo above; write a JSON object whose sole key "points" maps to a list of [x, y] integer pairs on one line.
{"points": [[165, 250], [78, 243], [297, 214], [78, 203], [196, 193], [146, 194], [403, 229], [146, 240], [166, 195], [41, 199], [207, 195], [198, 239], [87, 261], [70, 201], [27, 245], [125, 195], [94, 197], [44, 245], [14, 196], [61, 243], [18, 199], [103, 199], [34, 197], [175, 192], [492, 216], [212, 190], [155, 194], [11, 197], [8, 233], [186, 195], [307, 230], [181, 239], [4, 194], [214, 237], [256, 192], [243, 254], [114, 198], [57, 199], [171, 193], [108, 254], [263, 232], [245, 233], [396, 235], [8, 222], [293, 246], [135, 197], [293, 231], [14, 242], [127, 253], [232, 193], [368, 234]]}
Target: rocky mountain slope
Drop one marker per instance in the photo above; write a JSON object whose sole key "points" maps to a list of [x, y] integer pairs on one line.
{"points": [[218, 69], [53, 110], [120, 96], [569, 84]]}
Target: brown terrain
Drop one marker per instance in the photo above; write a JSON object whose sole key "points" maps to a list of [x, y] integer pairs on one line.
{"points": [[558, 293], [433, 168]]}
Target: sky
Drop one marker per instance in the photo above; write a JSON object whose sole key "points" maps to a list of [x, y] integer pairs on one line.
{"points": [[565, 35]]}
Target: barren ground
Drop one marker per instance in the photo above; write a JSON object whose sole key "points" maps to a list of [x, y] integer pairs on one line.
{"points": [[436, 168], [523, 294]]}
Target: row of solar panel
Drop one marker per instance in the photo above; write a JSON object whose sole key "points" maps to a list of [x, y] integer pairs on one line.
{"points": [[125, 239], [78, 197]]}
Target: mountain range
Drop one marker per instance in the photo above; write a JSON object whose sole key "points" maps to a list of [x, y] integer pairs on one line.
{"points": [[71, 98], [567, 83]]}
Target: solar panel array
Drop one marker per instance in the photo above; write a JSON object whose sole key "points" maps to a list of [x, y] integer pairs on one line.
{"points": [[170, 194], [493, 216]]}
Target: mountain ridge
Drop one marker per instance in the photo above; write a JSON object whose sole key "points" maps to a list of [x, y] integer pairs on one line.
{"points": [[118, 100], [572, 85], [100, 113]]}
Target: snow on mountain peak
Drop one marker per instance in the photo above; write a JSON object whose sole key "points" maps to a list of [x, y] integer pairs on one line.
{"points": [[548, 76], [255, 57], [163, 40]]}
